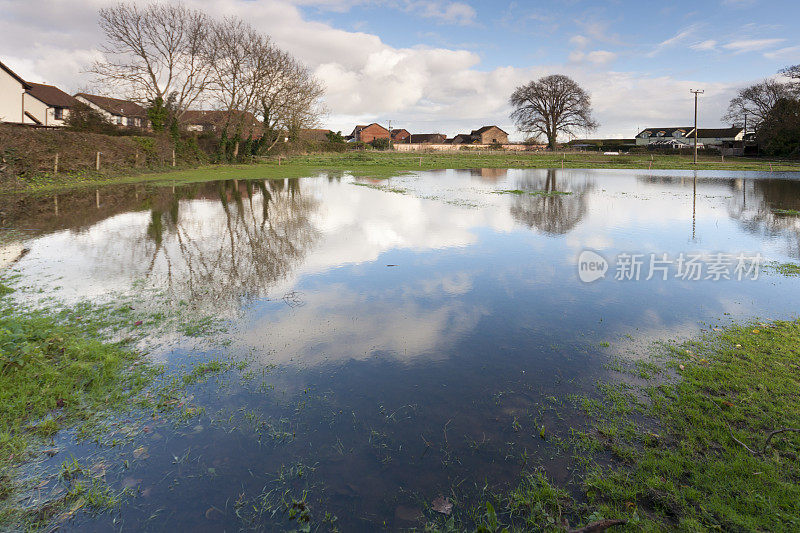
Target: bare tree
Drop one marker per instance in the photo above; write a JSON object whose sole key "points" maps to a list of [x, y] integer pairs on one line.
{"points": [[551, 106], [239, 59], [155, 51], [756, 101], [289, 97]]}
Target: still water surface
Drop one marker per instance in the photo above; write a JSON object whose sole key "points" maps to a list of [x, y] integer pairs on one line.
{"points": [[406, 338]]}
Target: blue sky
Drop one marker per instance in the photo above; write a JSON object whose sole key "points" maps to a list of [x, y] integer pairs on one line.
{"points": [[721, 40], [450, 66]]}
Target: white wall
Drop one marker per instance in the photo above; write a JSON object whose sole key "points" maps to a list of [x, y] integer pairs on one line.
{"points": [[37, 108], [11, 92]]}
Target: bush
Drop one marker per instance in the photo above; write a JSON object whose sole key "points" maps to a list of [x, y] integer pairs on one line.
{"points": [[335, 137], [779, 134], [381, 144]]}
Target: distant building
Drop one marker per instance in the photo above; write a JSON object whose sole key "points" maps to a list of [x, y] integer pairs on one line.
{"points": [[315, 135], [484, 135], [601, 144], [367, 134], [461, 138], [47, 105], [120, 112], [715, 137], [489, 135], [719, 136], [427, 138], [12, 95], [214, 121], [652, 135], [400, 136]]}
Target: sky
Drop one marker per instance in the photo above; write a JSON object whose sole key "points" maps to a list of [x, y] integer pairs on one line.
{"points": [[450, 66]]}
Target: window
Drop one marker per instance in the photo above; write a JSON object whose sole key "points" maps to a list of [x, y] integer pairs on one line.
{"points": [[58, 113], [119, 121]]}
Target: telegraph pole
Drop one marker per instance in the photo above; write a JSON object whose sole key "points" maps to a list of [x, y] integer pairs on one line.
{"points": [[695, 92]]}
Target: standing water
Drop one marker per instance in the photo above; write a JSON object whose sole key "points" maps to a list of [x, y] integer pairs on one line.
{"points": [[400, 340]]}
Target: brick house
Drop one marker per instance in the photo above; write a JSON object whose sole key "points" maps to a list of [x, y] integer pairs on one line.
{"points": [[489, 135], [367, 134], [427, 138], [400, 136], [461, 138]]}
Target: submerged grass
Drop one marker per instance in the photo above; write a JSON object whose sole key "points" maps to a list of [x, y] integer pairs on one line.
{"points": [[713, 446], [55, 372], [61, 370]]}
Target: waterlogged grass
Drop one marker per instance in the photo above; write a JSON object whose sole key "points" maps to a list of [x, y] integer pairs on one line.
{"points": [[710, 442], [61, 370], [519, 192], [54, 372], [699, 455], [789, 212], [378, 164], [784, 269]]}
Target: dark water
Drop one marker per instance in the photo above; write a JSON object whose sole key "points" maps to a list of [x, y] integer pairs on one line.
{"points": [[407, 338]]}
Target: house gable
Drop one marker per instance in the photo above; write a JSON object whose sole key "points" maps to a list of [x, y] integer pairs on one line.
{"points": [[12, 95]]}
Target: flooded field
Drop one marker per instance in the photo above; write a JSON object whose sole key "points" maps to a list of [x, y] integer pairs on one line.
{"points": [[387, 343]]}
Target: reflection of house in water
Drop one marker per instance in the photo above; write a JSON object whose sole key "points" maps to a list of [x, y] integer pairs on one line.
{"points": [[558, 202], [762, 206], [489, 174]]}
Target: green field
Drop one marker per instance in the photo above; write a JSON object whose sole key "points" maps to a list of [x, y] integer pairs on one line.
{"points": [[386, 164]]}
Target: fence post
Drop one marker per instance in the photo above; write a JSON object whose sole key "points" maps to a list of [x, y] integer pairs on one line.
{"points": [[97, 198], [173, 157], [136, 159], [97, 162], [55, 166]]}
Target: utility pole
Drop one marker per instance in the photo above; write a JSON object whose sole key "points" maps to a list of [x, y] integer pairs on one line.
{"points": [[695, 92]]}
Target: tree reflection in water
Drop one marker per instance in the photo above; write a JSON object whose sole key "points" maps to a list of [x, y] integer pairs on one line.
{"points": [[243, 240], [555, 214], [761, 206]]}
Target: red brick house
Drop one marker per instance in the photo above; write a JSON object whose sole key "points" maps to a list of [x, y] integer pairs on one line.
{"points": [[400, 136], [489, 135], [367, 134]]}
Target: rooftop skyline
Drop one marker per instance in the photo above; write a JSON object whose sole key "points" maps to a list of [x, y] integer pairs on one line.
{"points": [[449, 67]]}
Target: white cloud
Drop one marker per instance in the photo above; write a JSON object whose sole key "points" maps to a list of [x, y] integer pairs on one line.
{"points": [[677, 39], [705, 46], [421, 88], [444, 11], [579, 40], [751, 45], [790, 54]]}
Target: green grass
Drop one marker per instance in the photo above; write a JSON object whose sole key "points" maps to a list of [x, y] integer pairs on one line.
{"points": [[790, 212], [681, 465], [784, 269], [690, 452], [386, 164], [55, 372], [519, 192]]}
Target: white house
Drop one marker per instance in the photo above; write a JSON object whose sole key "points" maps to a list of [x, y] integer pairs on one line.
{"points": [[705, 137], [12, 95], [652, 135], [719, 137], [47, 105], [123, 113]]}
